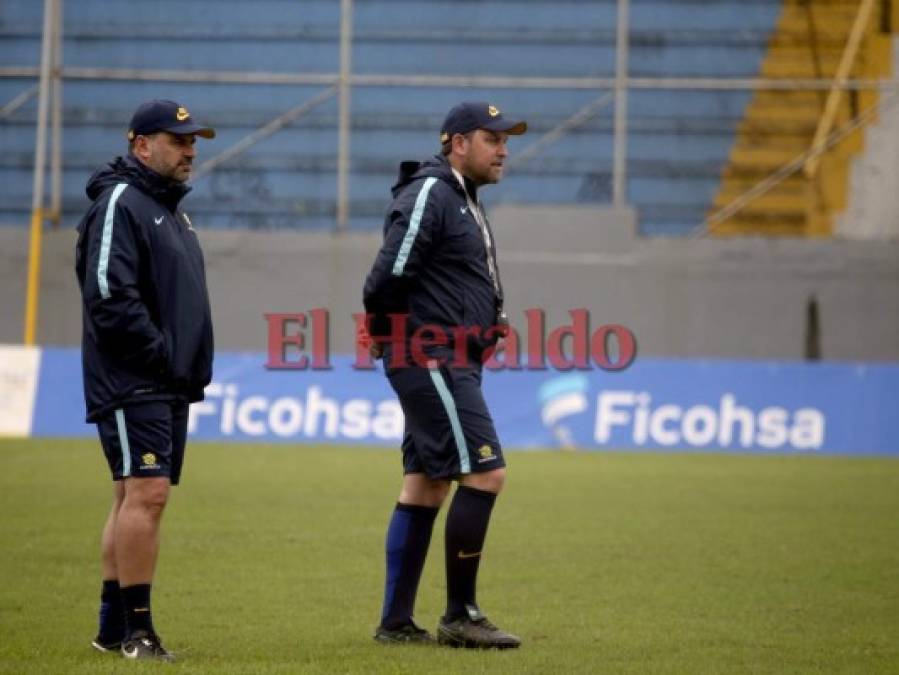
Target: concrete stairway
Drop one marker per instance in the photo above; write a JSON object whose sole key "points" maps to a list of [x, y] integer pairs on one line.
{"points": [[779, 125]]}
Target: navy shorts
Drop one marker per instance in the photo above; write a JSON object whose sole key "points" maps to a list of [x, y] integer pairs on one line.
{"points": [[449, 431], [145, 440]]}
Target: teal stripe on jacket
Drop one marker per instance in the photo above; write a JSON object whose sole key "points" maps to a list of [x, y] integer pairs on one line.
{"points": [[106, 241], [417, 212]]}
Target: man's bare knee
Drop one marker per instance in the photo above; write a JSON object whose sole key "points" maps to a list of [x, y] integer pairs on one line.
{"points": [[419, 490], [488, 481], [147, 494]]}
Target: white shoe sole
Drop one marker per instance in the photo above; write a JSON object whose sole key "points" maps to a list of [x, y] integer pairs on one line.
{"points": [[106, 650]]}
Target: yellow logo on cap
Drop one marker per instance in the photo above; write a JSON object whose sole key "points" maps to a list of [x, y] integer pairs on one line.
{"points": [[444, 137], [131, 134], [148, 458], [492, 110], [182, 114]]}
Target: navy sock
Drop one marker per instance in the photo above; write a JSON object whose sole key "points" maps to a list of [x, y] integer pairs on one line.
{"points": [[138, 616], [466, 529], [408, 537], [112, 614]]}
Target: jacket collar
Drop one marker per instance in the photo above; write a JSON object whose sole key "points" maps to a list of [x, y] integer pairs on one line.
{"points": [[434, 167], [130, 170], [165, 190]]}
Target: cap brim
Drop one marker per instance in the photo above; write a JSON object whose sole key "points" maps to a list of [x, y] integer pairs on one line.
{"points": [[191, 128], [508, 126]]}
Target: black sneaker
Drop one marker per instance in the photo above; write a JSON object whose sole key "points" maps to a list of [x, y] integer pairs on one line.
{"points": [[103, 644], [405, 634], [144, 645], [474, 632]]}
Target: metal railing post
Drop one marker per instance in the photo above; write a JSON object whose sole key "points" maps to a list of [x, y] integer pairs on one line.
{"points": [[37, 190], [344, 115], [56, 120], [622, 44]]}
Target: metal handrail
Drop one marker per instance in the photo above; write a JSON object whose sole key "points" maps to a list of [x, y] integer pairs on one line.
{"points": [[847, 60], [474, 81], [263, 132], [20, 100], [579, 118]]}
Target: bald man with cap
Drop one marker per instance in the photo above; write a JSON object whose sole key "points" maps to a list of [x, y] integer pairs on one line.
{"points": [[437, 267], [147, 350]]}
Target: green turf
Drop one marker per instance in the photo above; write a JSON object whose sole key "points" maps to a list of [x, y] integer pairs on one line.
{"points": [[638, 563]]}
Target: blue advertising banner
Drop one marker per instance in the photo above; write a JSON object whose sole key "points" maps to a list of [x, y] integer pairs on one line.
{"points": [[656, 404]]}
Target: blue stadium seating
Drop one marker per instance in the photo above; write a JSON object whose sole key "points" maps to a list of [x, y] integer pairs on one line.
{"points": [[678, 140]]}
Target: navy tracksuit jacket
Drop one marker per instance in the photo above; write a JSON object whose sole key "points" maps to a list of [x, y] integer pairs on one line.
{"points": [[147, 325], [433, 264]]}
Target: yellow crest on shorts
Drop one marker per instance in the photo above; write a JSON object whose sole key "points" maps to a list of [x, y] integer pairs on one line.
{"points": [[492, 110], [182, 114], [148, 458], [485, 451]]}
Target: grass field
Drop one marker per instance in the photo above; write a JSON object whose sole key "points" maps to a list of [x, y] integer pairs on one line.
{"points": [[603, 563]]}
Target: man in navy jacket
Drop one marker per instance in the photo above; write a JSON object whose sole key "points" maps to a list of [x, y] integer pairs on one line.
{"points": [[437, 268], [147, 349]]}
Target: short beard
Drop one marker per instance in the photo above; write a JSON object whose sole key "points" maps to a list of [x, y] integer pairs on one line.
{"points": [[172, 175], [479, 179]]}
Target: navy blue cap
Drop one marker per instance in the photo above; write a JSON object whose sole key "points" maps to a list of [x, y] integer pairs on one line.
{"points": [[473, 115], [161, 115]]}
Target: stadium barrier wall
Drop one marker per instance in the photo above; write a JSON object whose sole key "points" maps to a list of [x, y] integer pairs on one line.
{"points": [[683, 298], [657, 404]]}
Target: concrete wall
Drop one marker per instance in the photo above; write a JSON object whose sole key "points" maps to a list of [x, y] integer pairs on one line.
{"points": [[682, 297], [873, 209]]}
